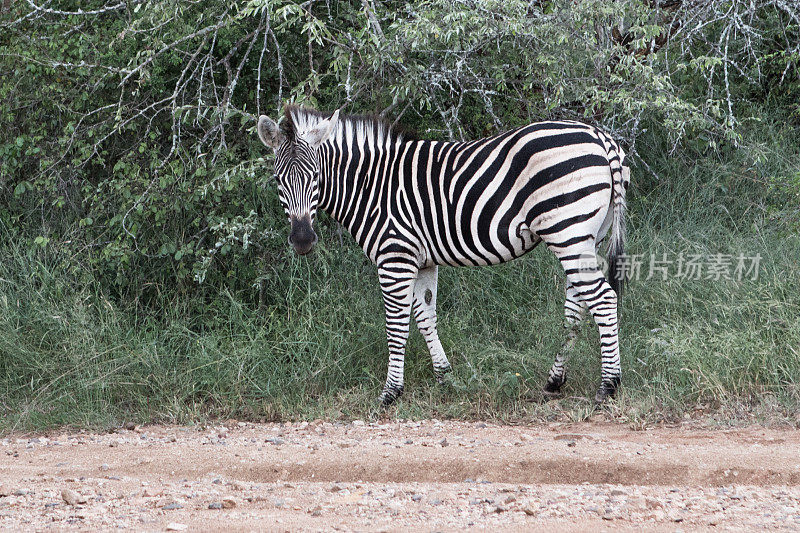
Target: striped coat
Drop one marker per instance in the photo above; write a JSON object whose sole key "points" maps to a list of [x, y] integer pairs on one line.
{"points": [[414, 204]]}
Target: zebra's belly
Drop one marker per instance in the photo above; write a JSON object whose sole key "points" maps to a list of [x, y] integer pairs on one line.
{"points": [[478, 250]]}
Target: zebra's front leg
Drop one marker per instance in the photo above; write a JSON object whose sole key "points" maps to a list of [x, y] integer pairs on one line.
{"points": [[574, 310], [425, 314], [397, 284]]}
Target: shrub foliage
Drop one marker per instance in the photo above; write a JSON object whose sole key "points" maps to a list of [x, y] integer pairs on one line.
{"points": [[130, 178]]}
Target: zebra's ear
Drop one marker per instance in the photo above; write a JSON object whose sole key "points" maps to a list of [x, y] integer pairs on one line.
{"points": [[268, 132], [320, 134]]}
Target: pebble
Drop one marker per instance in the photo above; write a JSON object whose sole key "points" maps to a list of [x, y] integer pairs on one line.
{"points": [[416, 497], [71, 497], [176, 526], [172, 506], [228, 503], [215, 505], [652, 503], [104, 467]]}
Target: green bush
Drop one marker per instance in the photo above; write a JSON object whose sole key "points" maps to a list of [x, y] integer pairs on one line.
{"points": [[142, 247]]}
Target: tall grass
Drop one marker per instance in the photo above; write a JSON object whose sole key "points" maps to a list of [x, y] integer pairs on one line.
{"points": [[315, 347]]}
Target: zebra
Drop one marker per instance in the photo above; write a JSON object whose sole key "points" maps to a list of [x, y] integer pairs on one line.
{"points": [[414, 204]]}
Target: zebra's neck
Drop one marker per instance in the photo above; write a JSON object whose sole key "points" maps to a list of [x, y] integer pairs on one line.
{"points": [[356, 173]]}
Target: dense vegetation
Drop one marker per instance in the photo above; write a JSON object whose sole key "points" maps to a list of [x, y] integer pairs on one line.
{"points": [[144, 271]]}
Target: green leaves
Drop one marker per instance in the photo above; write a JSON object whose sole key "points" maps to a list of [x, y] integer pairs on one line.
{"points": [[126, 131]]}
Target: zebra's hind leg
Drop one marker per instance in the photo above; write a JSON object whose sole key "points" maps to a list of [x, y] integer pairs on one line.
{"points": [[397, 284], [574, 309], [585, 276], [425, 314]]}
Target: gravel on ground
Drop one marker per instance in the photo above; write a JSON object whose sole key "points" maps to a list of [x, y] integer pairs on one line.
{"points": [[402, 476]]}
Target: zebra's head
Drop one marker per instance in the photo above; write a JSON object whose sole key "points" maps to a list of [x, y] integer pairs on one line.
{"points": [[297, 168]]}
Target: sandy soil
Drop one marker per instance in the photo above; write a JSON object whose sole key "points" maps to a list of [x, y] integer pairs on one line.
{"points": [[399, 476]]}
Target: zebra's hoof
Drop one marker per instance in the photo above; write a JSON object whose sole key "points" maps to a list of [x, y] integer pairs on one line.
{"points": [[608, 388], [552, 389], [440, 372], [390, 394]]}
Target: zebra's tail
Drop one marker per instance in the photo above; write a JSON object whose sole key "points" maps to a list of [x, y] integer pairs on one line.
{"points": [[621, 176]]}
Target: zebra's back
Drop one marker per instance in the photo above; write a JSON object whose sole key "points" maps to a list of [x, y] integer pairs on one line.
{"points": [[490, 201]]}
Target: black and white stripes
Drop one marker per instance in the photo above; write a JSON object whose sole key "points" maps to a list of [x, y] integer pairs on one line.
{"points": [[413, 205]]}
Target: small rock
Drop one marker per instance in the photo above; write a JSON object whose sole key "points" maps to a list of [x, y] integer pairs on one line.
{"points": [[130, 426], [618, 492], [573, 436], [3, 491], [444, 443], [71, 497], [436, 501], [510, 499], [172, 506], [104, 467], [571, 443], [475, 501], [316, 511], [175, 526], [409, 441], [215, 505], [228, 503], [416, 497], [21, 492], [529, 509], [358, 423], [480, 425], [652, 503], [335, 488], [499, 509]]}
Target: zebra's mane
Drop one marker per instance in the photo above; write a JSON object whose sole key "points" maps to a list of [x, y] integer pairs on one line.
{"points": [[366, 128]]}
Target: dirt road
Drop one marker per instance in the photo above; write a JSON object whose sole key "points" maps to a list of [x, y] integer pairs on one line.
{"points": [[429, 476]]}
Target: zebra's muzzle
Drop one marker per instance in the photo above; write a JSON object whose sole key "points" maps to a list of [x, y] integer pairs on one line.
{"points": [[302, 235]]}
